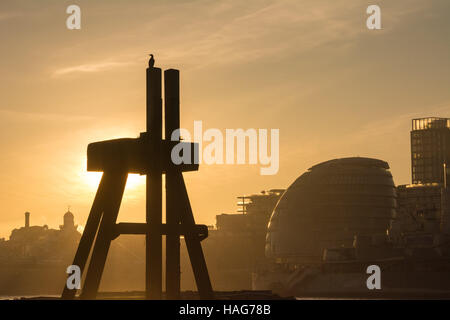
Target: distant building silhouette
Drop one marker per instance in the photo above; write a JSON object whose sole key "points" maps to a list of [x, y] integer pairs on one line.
{"points": [[35, 258], [423, 206], [27, 219], [39, 243], [419, 207], [328, 206], [430, 149], [69, 222]]}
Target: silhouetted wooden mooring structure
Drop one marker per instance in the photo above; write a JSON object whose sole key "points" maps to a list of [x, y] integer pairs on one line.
{"points": [[148, 155]]}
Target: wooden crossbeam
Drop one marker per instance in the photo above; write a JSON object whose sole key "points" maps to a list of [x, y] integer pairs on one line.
{"points": [[143, 228]]}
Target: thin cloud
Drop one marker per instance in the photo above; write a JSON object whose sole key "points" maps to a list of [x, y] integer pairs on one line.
{"points": [[9, 15], [90, 68], [394, 124], [40, 117]]}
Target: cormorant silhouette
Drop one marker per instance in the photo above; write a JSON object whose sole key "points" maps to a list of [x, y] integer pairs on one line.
{"points": [[151, 62]]}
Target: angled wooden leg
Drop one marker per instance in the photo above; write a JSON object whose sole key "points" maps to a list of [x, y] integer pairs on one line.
{"points": [[90, 230], [193, 243], [113, 198]]}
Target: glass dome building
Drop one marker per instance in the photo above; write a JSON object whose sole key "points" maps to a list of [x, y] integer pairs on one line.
{"points": [[330, 204]]}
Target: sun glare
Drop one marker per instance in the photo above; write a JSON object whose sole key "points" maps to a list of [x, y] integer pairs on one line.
{"points": [[133, 181]]}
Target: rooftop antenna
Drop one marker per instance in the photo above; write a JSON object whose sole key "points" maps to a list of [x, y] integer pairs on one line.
{"points": [[148, 155]]}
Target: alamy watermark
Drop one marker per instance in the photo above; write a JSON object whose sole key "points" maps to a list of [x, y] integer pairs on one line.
{"points": [[236, 146], [73, 22], [374, 280], [373, 22], [74, 278]]}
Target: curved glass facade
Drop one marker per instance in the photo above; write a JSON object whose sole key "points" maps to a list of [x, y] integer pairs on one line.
{"points": [[328, 205]]}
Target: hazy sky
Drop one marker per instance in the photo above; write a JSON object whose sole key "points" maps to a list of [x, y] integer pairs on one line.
{"points": [[308, 68]]}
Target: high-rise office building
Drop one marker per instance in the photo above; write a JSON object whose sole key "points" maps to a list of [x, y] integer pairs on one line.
{"points": [[430, 149], [423, 206]]}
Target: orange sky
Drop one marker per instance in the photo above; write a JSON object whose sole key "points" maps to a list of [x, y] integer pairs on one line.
{"points": [[308, 68]]}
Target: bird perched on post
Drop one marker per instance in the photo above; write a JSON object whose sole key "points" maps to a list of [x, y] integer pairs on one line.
{"points": [[151, 62]]}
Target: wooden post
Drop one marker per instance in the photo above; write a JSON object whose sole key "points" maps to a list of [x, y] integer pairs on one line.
{"points": [[154, 186], [172, 122]]}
